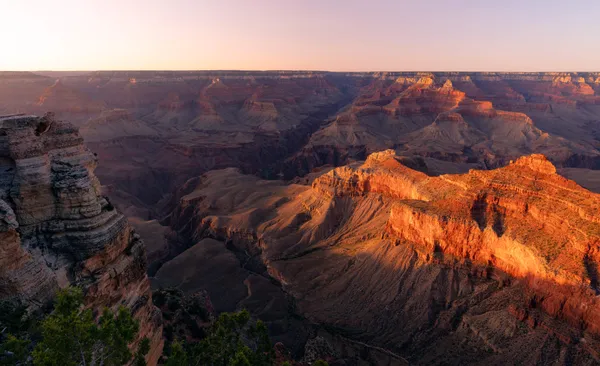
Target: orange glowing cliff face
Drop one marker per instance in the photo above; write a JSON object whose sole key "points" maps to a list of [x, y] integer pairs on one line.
{"points": [[507, 249]]}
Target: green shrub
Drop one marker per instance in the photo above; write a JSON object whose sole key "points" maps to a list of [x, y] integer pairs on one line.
{"points": [[233, 340], [71, 336]]}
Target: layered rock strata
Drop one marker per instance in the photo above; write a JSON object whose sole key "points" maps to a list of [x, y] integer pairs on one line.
{"points": [[455, 269], [57, 230]]}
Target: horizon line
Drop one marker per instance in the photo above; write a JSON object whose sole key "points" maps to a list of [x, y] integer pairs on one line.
{"points": [[306, 70]]}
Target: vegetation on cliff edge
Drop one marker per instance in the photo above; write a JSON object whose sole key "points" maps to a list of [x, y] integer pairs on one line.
{"points": [[70, 336]]}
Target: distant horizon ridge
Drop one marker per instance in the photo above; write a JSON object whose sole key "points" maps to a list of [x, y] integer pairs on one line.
{"points": [[307, 70]]}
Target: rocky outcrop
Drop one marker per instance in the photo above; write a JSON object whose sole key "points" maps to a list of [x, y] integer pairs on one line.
{"points": [[57, 230], [462, 268]]}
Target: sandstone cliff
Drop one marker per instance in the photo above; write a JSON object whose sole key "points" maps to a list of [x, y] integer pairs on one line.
{"points": [[57, 230]]}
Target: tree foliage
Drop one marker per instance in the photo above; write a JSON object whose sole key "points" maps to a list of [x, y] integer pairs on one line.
{"points": [[13, 350], [72, 336], [17, 329], [178, 355], [233, 340], [140, 355], [14, 318]]}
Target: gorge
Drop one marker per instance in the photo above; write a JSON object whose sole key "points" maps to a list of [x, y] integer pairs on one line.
{"points": [[370, 218]]}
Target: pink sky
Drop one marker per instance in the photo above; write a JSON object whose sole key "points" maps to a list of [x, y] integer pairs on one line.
{"points": [[344, 35]]}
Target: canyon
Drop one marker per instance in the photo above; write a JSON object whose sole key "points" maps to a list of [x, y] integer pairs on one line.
{"points": [[391, 218], [153, 130]]}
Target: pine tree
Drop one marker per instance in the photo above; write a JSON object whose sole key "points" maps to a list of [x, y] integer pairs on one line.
{"points": [[72, 337]]}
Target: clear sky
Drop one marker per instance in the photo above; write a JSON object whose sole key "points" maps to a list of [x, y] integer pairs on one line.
{"points": [[338, 35]]}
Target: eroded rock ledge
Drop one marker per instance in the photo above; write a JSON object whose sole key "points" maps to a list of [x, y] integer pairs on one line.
{"points": [[57, 230], [463, 267]]}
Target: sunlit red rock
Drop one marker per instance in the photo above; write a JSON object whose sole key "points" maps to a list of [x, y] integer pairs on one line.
{"points": [[413, 262]]}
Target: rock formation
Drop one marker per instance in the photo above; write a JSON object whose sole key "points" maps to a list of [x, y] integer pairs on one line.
{"points": [[57, 230], [461, 268], [496, 122], [153, 130]]}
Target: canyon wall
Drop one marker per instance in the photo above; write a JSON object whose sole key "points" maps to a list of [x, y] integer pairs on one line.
{"points": [[57, 230], [153, 130], [460, 268]]}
